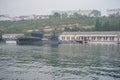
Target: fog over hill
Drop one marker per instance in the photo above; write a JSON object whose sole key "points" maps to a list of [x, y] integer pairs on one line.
{"points": [[44, 7]]}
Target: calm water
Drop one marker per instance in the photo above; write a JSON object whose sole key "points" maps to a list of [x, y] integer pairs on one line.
{"points": [[62, 62]]}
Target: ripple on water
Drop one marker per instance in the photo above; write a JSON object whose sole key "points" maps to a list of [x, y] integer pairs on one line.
{"points": [[63, 62]]}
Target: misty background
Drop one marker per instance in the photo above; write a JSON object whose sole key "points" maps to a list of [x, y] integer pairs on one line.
{"points": [[29, 7]]}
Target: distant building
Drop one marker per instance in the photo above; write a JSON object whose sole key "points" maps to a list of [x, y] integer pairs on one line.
{"points": [[111, 12], [31, 17], [21, 18], [4, 17], [41, 16], [67, 13], [89, 13], [44, 16], [91, 36]]}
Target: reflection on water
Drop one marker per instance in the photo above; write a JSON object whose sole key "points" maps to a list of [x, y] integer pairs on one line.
{"points": [[60, 62]]}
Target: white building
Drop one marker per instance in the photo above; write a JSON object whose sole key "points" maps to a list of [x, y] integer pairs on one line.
{"points": [[11, 36], [90, 37], [5, 18]]}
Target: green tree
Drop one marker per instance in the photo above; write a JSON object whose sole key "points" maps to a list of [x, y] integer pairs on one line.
{"points": [[75, 29], [67, 29], [56, 14], [96, 13], [65, 15], [106, 26], [98, 25], [76, 15]]}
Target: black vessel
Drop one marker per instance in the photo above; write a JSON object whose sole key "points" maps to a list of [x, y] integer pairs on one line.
{"points": [[37, 39], [29, 40], [1, 39], [52, 40]]}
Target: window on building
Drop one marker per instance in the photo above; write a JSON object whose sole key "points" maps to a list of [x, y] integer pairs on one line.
{"points": [[88, 38], [78, 38], [94, 38], [72, 38], [81, 38], [63, 38], [106, 38], [68, 38], [99, 38], [85, 38], [112, 38]]}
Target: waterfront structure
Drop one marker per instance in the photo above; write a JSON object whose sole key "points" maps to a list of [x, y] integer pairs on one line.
{"points": [[90, 37], [11, 36]]}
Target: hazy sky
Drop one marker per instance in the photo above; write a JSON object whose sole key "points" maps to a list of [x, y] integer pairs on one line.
{"points": [[29, 7]]}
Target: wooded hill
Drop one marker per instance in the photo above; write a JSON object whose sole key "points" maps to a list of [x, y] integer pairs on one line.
{"points": [[111, 23]]}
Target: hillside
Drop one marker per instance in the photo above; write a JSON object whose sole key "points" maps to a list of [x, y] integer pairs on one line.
{"points": [[93, 23]]}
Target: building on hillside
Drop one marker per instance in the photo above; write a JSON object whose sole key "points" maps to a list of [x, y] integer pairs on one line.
{"points": [[4, 17], [89, 13], [30, 17], [22, 18], [41, 16], [65, 13], [90, 37], [111, 12], [48, 29]]}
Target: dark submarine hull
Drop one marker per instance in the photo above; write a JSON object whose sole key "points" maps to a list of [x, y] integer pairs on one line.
{"points": [[35, 41]]}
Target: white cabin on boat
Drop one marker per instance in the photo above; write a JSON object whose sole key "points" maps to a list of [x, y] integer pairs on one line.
{"points": [[91, 37]]}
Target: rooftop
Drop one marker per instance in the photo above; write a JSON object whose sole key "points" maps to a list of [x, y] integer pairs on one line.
{"points": [[93, 33]]}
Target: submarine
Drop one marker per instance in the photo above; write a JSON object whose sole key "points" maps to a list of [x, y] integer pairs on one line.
{"points": [[37, 39]]}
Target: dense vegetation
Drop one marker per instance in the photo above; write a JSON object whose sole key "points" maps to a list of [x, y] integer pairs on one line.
{"points": [[108, 24], [100, 23]]}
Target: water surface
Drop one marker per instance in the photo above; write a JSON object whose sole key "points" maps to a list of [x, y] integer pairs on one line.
{"points": [[60, 62]]}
